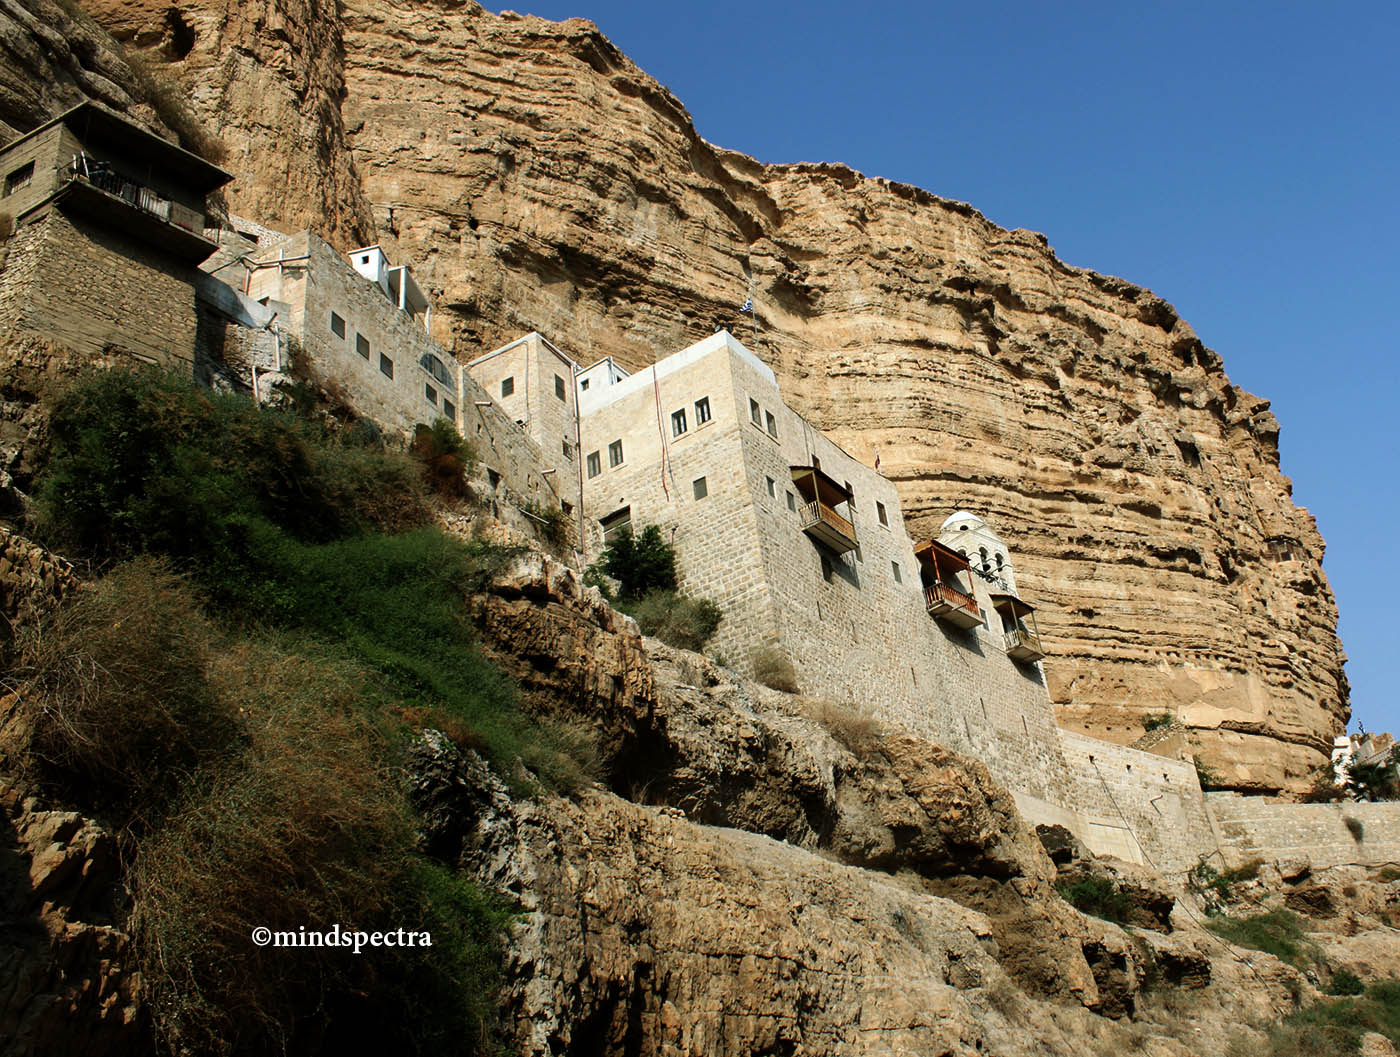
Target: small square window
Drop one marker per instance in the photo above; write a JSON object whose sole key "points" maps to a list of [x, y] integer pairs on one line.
{"points": [[772, 487], [559, 388], [700, 488], [19, 179], [595, 464], [507, 386], [702, 410], [880, 512], [792, 501], [337, 325], [364, 259], [362, 345], [677, 422], [386, 366], [615, 453], [583, 384], [431, 394], [449, 410], [568, 451], [755, 412], [898, 578], [772, 425]]}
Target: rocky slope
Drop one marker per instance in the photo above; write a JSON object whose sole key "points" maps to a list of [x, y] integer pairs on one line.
{"points": [[535, 178]]}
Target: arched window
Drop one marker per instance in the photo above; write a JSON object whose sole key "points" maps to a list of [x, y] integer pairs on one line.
{"points": [[985, 564], [998, 563], [436, 368]]}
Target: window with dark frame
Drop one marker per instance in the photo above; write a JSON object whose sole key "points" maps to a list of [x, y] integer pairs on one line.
{"points": [[880, 512], [450, 410], [615, 453], [507, 386], [792, 501], [700, 488], [337, 325], [430, 393], [755, 413], [702, 410], [559, 388], [615, 522], [898, 578], [19, 179], [772, 425], [772, 487], [595, 464], [386, 366], [568, 451], [678, 422], [362, 345]]}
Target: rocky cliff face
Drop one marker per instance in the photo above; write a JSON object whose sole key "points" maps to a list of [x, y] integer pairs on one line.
{"points": [[536, 179]]}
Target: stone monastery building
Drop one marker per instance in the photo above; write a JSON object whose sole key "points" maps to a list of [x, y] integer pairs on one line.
{"points": [[803, 547]]}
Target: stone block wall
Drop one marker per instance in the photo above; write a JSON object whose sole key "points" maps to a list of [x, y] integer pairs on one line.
{"points": [[93, 288], [1255, 828], [536, 370]]}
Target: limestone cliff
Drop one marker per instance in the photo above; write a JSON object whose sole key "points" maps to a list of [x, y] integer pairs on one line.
{"points": [[536, 179]]}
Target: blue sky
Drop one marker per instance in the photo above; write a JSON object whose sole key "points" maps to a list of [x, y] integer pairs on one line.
{"points": [[1240, 159]]}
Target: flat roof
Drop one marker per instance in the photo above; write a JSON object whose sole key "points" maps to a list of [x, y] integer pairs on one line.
{"points": [[592, 401], [92, 121]]}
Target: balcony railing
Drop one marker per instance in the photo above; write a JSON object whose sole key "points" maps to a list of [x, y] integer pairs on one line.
{"points": [[102, 176], [1023, 645], [828, 526], [948, 603]]}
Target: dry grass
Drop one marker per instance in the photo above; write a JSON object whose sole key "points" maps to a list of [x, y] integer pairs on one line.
{"points": [[848, 724], [772, 668], [114, 711]]}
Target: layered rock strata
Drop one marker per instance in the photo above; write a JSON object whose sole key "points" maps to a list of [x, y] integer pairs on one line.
{"points": [[536, 179]]}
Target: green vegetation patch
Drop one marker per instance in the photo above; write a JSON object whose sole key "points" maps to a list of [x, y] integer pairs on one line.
{"points": [[687, 623], [1278, 932], [1097, 896], [1331, 1028]]}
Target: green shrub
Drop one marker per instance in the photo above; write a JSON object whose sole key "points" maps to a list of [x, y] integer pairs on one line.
{"points": [[1277, 932], [144, 461], [551, 522], [1345, 982], [446, 457], [1376, 780], [1157, 720], [640, 564], [1097, 896], [686, 623], [773, 669]]}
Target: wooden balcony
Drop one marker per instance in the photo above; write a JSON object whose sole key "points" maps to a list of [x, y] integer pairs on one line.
{"points": [[822, 523], [1023, 645], [947, 603]]}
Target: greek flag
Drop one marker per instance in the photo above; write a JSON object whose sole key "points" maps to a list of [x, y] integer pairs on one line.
{"points": [[748, 306]]}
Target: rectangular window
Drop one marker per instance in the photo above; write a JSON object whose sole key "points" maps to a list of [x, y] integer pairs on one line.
{"points": [[449, 410], [677, 422], [595, 464], [792, 502], [568, 451], [337, 325], [700, 488], [772, 487], [702, 410], [559, 388], [880, 512], [362, 345], [897, 577], [583, 384], [615, 453], [431, 394], [616, 522], [772, 425], [507, 386], [386, 366], [19, 179], [755, 413]]}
